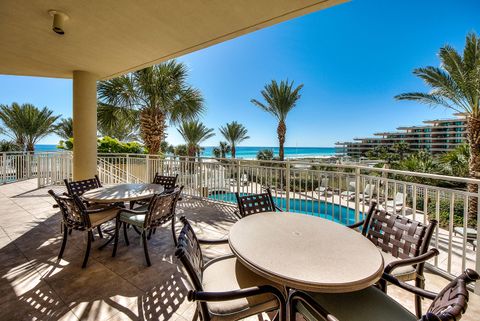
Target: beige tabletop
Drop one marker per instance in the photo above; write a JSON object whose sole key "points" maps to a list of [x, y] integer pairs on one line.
{"points": [[122, 193], [306, 252]]}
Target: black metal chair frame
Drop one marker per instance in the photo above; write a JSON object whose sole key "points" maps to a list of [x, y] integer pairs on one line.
{"points": [[403, 238], [75, 216], [80, 187], [194, 265], [448, 305], [256, 203], [168, 182], [150, 224]]}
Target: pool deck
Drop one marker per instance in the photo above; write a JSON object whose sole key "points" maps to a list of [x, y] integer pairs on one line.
{"points": [[35, 286]]}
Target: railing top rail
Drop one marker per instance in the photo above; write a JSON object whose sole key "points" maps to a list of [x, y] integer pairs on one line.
{"points": [[303, 163]]}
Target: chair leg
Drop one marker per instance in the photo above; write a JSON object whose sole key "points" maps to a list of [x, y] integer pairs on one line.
{"points": [[125, 234], [174, 233], [115, 238], [420, 283], [99, 230], [145, 248], [64, 241], [149, 234], [87, 250]]}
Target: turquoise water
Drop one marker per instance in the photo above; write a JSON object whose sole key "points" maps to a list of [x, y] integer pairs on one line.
{"points": [[244, 152], [290, 152], [45, 148], [335, 212]]}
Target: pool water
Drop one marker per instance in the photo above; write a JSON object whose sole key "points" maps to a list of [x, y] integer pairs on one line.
{"points": [[334, 212]]}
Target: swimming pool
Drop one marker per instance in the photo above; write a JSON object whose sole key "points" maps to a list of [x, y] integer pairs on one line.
{"points": [[335, 212]]}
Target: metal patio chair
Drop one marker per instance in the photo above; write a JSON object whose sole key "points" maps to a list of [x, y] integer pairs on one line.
{"points": [[373, 305], [224, 288], [159, 211], [77, 217], [168, 182], [256, 203]]}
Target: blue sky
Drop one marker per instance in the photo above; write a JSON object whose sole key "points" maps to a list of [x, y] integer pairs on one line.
{"points": [[352, 60]]}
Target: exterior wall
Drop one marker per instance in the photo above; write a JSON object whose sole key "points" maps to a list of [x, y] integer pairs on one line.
{"points": [[437, 136]]}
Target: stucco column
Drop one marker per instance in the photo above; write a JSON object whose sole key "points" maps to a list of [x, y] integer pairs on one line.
{"points": [[84, 125]]}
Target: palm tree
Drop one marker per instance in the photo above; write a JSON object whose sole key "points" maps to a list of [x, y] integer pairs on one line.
{"points": [[194, 132], [234, 133], [456, 86], [222, 150], [118, 123], [64, 128], [161, 95], [265, 154], [26, 124], [401, 148], [455, 162], [280, 100]]}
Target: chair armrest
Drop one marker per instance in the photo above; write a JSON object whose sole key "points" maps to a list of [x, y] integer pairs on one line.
{"points": [[356, 225], [101, 209], [310, 302], [126, 210], [411, 261], [236, 294], [410, 288], [212, 242]]}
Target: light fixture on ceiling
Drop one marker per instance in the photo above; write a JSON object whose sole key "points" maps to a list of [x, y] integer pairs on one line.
{"points": [[59, 19]]}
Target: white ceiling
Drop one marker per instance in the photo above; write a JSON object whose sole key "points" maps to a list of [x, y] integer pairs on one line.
{"points": [[113, 37]]}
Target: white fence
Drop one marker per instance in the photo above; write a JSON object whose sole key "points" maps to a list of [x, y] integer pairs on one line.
{"points": [[337, 192]]}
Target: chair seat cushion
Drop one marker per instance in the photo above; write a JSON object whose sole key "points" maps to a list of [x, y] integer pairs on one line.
{"points": [[97, 219], [227, 274], [134, 219], [404, 273], [369, 304]]}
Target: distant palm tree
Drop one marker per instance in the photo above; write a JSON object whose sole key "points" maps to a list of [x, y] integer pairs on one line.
{"points": [[118, 123], [455, 162], [222, 150], [456, 85], [401, 148], [194, 133], [279, 101], [234, 133], [64, 128], [265, 154], [27, 124], [161, 95]]}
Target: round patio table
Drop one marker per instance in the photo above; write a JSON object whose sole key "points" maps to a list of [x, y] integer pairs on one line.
{"points": [[306, 252], [122, 193]]}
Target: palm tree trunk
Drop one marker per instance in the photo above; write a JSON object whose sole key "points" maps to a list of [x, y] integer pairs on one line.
{"points": [[473, 130], [281, 133], [152, 129], [234, 151]]}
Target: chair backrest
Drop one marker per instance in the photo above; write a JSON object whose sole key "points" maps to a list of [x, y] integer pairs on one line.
{"points": [[80, 187], [168, 182], [352, 186], [255, 203], [190, 254], [369, 189], [73, 211], [399, 235], [162, 208], [399, 198], [451, 302], [324, 182]]}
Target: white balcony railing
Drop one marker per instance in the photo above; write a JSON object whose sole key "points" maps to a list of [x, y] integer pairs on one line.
{"points": [[332, 191]]}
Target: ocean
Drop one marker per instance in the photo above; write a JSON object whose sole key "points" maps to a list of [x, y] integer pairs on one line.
{"points": [[245, 152]]}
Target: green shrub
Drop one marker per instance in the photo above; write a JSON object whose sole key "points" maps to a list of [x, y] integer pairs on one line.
{"points": [[109, 145], [444, 212]]}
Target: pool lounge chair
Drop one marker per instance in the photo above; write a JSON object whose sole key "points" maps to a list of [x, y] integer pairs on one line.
{"points": [[323, 188], [470, 234], [395, 204], [367, 192], [350, 192]]}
